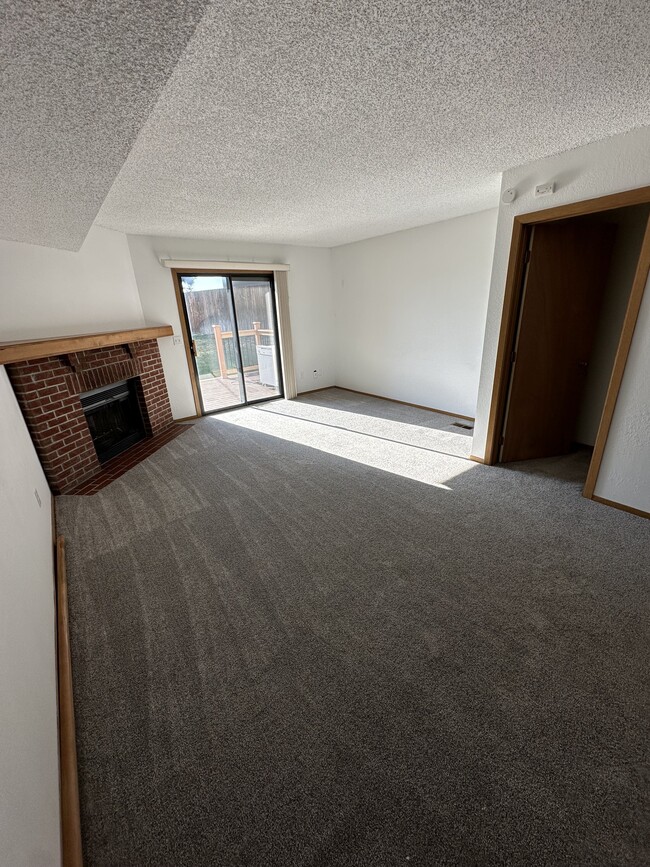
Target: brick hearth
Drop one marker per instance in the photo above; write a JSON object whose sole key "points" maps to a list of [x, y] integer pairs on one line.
{"points": [[48, 392]]}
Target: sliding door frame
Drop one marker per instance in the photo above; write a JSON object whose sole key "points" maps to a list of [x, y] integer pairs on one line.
{"points": [[177, 274]]}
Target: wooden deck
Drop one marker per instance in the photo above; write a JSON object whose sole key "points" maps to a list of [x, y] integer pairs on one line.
{"points": [[218, 393]]}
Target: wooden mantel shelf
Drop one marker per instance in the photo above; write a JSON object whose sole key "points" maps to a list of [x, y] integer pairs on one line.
{"points": [[26, 350]]}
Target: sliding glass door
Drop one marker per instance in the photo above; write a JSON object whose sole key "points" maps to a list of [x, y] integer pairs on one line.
{"points": [[231, 325]]}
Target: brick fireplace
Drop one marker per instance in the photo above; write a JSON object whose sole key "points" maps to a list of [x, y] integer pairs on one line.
{"points": [[49, 391]]}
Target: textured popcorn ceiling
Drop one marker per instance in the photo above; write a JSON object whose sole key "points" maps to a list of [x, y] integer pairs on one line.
{"points": [[315, 122], [78, 78], [326, 122]]}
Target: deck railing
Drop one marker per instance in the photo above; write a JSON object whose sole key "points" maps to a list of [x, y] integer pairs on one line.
{"points": [[219, 336]]}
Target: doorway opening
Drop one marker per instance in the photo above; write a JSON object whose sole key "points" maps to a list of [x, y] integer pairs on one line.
{"points": [[230, 329], [574, 289]]}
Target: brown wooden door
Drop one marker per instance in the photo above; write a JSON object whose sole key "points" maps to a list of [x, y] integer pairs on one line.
{"points": [[564, 284]]}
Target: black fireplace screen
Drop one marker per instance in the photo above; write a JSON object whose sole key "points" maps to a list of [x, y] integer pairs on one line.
{"points": [[114, 418]]}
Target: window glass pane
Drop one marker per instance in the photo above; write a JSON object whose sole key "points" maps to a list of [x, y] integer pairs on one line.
{"points": [[212, 326], [254, 305]]}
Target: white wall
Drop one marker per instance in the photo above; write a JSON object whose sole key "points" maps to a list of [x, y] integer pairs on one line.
{"points": [[310, 303], [410, 312], [603, 167], [48, 293], [630, 229], [43, 292], [29, 794], [625, 471]]}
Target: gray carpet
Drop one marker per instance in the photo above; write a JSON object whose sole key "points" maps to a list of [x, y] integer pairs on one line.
{"points": [[314, 633]]}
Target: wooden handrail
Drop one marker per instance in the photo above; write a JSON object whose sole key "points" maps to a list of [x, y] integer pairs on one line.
{"points": [[245, 332]]}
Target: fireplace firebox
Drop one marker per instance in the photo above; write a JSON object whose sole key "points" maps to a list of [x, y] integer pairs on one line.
{"points": [[114, 418], [49, 388]]}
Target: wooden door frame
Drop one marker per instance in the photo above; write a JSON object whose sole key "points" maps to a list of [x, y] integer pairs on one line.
{"points": [[522, 227], [285, 352], [187, 339]]}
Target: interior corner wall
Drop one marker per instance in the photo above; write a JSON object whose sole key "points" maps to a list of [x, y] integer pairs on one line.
{"points": [[630, 230], [46, 292], [410, 312], [29, 796], [598, 169], [625, 469], [310, 303]]}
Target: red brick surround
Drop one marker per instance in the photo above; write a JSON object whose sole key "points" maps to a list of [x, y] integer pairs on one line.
{"points": [[48, 392]]}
